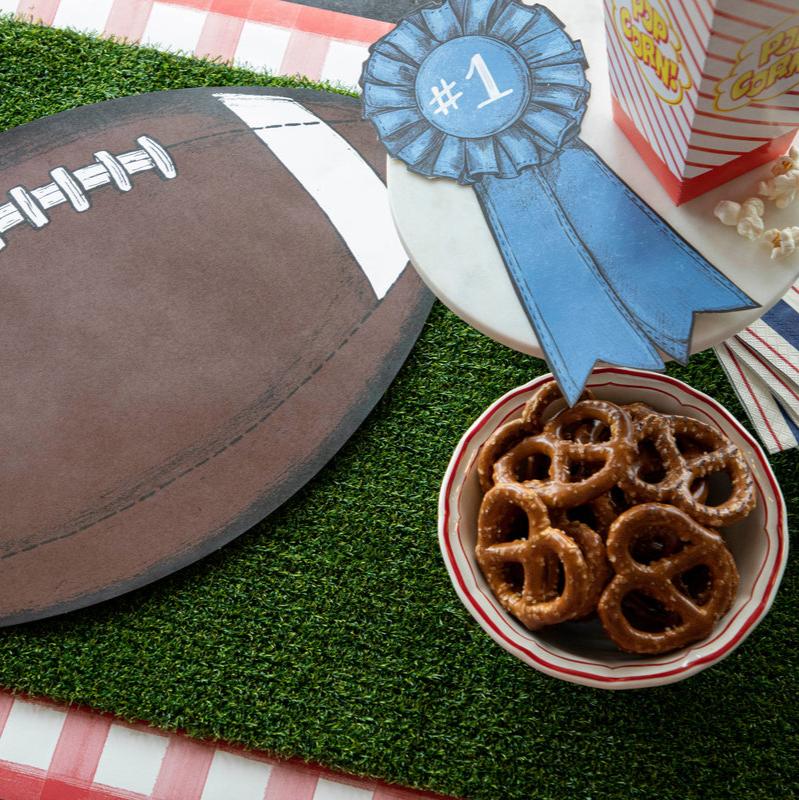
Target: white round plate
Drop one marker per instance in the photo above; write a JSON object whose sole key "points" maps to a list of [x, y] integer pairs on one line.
{"points": [[452, 248], [579, 652]]}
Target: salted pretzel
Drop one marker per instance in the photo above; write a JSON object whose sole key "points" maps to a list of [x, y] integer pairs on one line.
{"points": [[537, 572], [648, 465], [509, 435], [674, 580], [700, 488], [689, 451], [563, 472]]}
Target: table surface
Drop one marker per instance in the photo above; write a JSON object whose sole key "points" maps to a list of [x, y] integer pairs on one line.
{"points": [[451, 246], [332, 631]]}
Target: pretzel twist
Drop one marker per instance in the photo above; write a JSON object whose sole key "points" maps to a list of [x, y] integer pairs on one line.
{"points": [[509, 435], [690, 616], [555, 577], [700, 488], [704, 451], [563, 486]]}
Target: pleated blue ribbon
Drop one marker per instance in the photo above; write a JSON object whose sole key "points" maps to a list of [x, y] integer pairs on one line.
{"points": [[491, 93]]}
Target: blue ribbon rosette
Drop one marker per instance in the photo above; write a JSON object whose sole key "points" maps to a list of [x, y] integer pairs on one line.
{"points": [[491, 93]]}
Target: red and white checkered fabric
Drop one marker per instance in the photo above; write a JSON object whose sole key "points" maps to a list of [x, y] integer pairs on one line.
{"points": [[48, 752], [280, 37]]}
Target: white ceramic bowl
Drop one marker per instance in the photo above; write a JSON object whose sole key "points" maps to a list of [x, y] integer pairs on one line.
{"points": [[579, 651]]}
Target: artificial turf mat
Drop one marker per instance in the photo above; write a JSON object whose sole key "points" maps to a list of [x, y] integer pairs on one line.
{"points": [[331, 630]]}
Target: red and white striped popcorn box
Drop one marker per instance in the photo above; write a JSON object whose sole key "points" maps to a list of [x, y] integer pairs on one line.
{"points": [[706, 90]]}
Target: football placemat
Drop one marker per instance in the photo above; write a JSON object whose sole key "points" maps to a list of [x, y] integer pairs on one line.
{"points": [[202, 297]]}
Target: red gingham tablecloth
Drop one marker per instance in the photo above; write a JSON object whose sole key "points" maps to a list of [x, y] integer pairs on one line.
{"points": [[50, 752]]}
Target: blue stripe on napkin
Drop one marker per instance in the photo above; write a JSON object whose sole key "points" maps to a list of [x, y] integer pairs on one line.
{"points": [[788, 421], [785, 321]]}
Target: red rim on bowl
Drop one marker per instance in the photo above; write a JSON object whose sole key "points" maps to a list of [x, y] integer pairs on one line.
{"points": [[626, 673]]}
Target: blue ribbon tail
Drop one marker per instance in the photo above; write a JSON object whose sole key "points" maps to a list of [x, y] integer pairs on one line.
{"points": [[578, 318], [657, 275]]}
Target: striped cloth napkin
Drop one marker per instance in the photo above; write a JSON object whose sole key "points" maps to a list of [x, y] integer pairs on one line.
{"points": [[762, 363]]}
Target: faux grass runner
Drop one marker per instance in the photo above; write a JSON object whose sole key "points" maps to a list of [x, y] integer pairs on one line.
{"points": [[331, 631]]}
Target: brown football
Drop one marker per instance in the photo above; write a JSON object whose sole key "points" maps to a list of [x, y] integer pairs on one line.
{"points": [[202, 296]]}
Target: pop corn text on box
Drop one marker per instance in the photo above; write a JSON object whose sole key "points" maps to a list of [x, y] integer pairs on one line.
{"points": [[705, 89]]}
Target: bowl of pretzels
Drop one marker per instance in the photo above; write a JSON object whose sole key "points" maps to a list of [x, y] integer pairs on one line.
{"points": [[629, 541]]}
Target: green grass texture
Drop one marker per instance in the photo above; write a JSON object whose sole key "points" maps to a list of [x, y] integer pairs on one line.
{"points": [[331, 631]]}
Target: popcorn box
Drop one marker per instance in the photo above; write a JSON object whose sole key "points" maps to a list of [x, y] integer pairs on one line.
{"points": [[704, 89]]}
